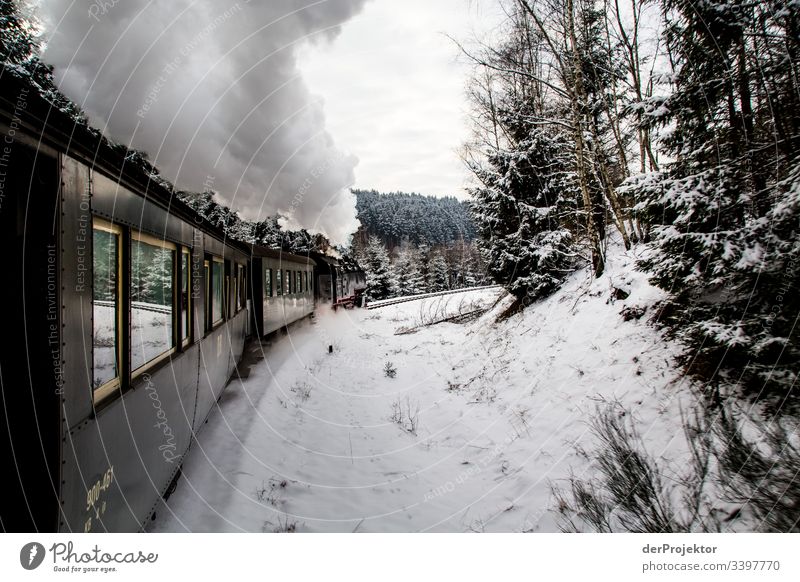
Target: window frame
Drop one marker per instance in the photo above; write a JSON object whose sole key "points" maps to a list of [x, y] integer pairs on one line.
{"points": [[184, 342], [235, 288], [268, 283], [228, 291], [112, 387], [139, 236], [215, 323], [241, 297], [207, 295]]}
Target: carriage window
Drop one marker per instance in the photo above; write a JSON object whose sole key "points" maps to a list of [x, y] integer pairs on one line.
{"points": [[299, 283], [237, 290], [268, 282], [185, 295], [233, 289], [230, 291], [207, 306], [152, 298], [279, 282], [244, 287], [241, 285], [305, 281], [217, 291], [106, 307], [288, 282]]}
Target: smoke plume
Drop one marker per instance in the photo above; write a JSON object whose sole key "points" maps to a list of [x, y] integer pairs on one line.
{"points": [[211, 91]]}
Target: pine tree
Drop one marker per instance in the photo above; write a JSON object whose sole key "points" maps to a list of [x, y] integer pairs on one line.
{"points": [[407, 277], [721, 211], [20, 56], [17, 44], [438, 275], [547, 174], [424, 267], [523, 211], [376, 264]]}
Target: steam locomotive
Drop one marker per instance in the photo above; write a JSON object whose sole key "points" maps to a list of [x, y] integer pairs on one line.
{"points": [[126, 315]]}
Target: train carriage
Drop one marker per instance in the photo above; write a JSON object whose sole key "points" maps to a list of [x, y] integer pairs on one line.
{"points": [[338, 281], [126, 315], [284, 284]]}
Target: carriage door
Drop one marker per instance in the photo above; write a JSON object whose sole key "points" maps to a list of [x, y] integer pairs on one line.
{"points": [[325, 288]]}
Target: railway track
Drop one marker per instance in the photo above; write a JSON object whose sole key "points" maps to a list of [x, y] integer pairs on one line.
{"points": [[388, 302]]}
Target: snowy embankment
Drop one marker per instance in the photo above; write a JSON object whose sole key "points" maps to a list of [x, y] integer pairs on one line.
{"points": [[478, 421], [407, 298]]}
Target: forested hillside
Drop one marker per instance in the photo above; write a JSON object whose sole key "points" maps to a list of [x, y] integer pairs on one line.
{"points": [[660, 121], [410, 244], [398, 217], [672, 127]]}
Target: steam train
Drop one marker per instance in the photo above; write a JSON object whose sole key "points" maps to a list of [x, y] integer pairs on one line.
{"points": [[126, 314]]}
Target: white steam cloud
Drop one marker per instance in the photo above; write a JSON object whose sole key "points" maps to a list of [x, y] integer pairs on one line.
{"points": [[211, 91]]}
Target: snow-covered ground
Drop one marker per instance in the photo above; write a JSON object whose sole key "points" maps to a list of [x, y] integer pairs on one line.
{"points": [[479, 421], [405, 298]]}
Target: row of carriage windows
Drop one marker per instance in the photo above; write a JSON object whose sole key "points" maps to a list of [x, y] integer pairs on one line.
{"points": [[158, 277], [286, 282]]}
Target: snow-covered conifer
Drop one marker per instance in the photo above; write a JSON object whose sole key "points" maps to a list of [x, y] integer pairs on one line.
{"points": [[379, 275]]}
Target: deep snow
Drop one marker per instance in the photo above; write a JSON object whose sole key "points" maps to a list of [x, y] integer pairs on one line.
{"points": [[480, 420]]}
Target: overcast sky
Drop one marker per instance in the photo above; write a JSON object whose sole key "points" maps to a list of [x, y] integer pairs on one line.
{"points": [[393, 87]]}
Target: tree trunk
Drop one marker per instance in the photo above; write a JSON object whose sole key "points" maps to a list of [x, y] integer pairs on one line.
{"points": [[598, 261]]}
